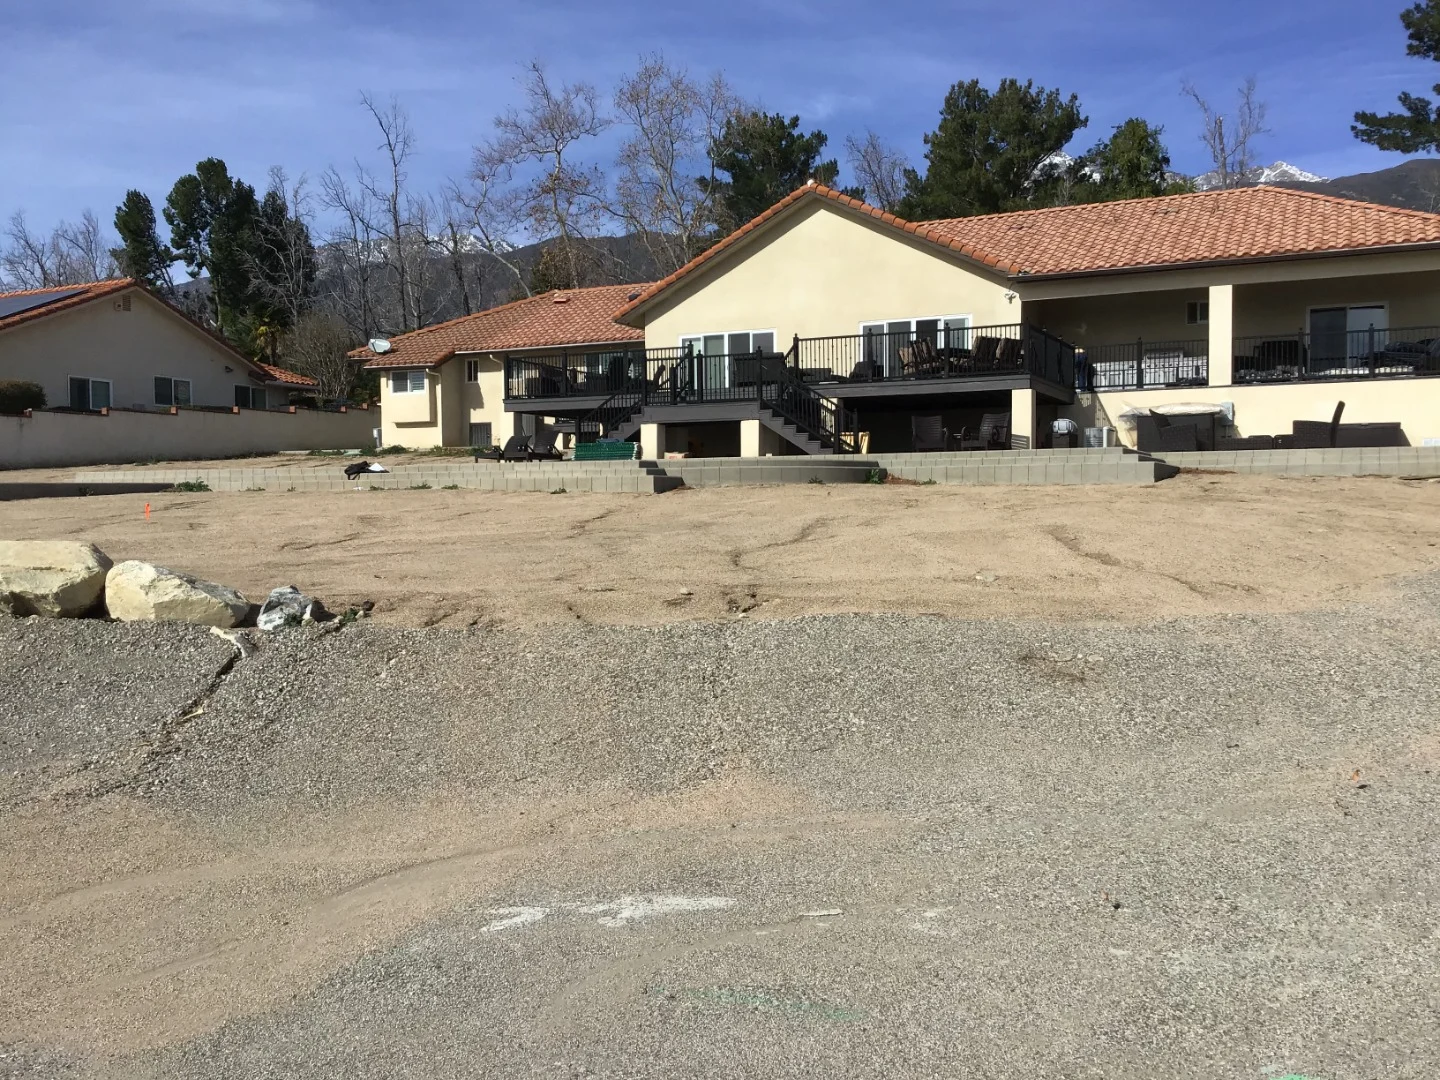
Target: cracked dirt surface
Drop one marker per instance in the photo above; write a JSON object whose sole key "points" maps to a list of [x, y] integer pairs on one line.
{"points": [[1195, 544]]}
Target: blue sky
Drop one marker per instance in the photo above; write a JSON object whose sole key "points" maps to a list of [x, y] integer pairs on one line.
{"points": [[100, 96]]}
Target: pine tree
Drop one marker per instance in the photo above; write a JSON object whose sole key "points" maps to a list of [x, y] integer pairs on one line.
{"points": [[1132, 164], [212, 221], [766, 158], [142, 254], [988, 152], [1417, 128]]}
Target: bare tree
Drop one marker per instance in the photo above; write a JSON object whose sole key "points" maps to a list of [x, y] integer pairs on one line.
{"points": [[317, 346], [567, 197], [388, 193], [666, 189], [352, 259], [462, 251], [1229, 139], [27, 259], [75, 253], [879, 168], [492, 213]]}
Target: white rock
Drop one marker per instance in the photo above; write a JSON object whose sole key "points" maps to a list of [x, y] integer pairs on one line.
{"points": [[140, 592], [53, 578]]}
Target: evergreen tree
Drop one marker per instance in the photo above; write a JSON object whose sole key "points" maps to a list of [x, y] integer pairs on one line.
{"points": [[1417, 128], [766, 158], [282, 267], [142, 254], [987, 153], [1132, 164], [213, 229]]}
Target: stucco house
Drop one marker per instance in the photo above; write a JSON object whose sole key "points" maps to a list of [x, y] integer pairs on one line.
{"points": [[825, 317], [129, 377], [446, 385], [115, 344]]}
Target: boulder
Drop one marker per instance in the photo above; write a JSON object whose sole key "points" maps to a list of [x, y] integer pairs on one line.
{"points": [[57, 579], [140, 592], [288, 606]]}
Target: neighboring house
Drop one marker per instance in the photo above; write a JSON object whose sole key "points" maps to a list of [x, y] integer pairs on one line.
{"points": [[445, 385], [115, 344], [825, 315], [127, 377]]}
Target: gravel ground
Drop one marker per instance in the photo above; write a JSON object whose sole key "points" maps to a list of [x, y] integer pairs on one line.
{"points": [[834, 845]]}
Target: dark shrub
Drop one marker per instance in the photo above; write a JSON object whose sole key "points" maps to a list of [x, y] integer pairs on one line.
{"points": [[17, 396]]}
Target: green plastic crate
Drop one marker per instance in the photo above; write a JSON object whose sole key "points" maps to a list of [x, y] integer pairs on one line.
{"points": [[607, 450]]}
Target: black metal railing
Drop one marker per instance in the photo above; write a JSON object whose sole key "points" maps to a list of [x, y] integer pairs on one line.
{"points": [[684, 377], [1138, 364], [954, 352], [578, 374], [1399, 352], [824, 419]]}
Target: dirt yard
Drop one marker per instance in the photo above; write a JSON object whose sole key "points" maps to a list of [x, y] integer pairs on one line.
{"points": [[1196, 544]]}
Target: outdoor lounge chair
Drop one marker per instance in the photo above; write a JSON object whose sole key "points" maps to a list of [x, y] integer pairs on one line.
{"points": [[516, 449], [1317, 434], [927, 433], [992, 434], [1007, 354], [542, 446]]}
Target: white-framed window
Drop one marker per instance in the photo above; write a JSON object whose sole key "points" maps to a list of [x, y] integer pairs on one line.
{"points": [[89, 395], [170, 391], [250, 397], [472, 370], [1197, 312], [713, 364], [884, 340], [407, 382]]}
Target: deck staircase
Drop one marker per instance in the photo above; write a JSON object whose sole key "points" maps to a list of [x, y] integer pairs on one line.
{"points": [[782, 401]]}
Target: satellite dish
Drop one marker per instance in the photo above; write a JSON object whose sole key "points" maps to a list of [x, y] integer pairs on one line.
{"points": [[379, 346]]}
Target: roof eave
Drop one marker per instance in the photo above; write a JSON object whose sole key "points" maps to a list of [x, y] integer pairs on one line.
{"points": [[1202, 264]]}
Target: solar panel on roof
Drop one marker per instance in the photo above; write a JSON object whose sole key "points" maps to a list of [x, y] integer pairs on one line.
{"points": [[14, 305]]}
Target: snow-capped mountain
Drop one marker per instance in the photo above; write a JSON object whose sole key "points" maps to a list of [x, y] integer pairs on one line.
{"points": [[1281, 172]]}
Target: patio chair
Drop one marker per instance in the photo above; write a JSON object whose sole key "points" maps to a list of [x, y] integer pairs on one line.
{"points": [[513, 446], [982, 356], [927, 433], [992, 434], [1008, 354], [542, 447], [1317, 434]]}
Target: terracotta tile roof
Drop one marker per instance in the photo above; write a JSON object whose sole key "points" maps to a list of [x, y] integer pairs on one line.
{"points": [[1172, 230], [1238, 225], [99, 289], [90, 291], [290, 378], [570, 317]]}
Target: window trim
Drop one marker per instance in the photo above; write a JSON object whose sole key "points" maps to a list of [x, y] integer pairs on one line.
{"points": [[885, 331], [472, 366], [726, 335], [252, 391], [90, 391], [410, 387], [172, 403]]}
